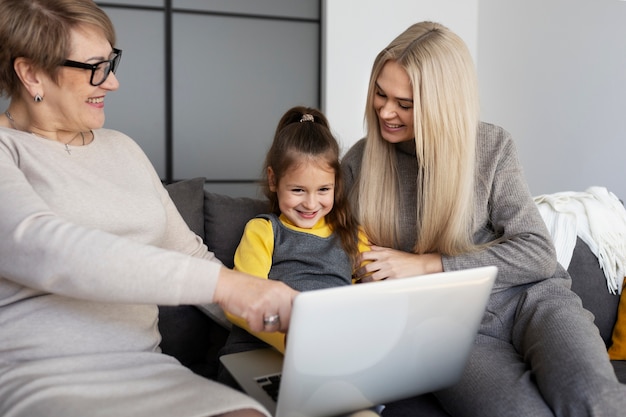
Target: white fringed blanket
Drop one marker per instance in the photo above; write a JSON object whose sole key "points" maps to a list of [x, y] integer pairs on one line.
{"points": [[598, 217]]}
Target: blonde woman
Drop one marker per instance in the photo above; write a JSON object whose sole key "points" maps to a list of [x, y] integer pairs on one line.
{"points": [[436, 189]]}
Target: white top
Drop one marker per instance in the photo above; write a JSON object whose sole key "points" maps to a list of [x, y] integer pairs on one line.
{"points": [[90, 243]]}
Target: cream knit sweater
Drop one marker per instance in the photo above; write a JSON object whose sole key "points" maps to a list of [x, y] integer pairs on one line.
{"points": [[90, 243]]}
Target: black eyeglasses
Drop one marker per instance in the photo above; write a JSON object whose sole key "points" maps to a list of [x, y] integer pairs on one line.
{"points": [[100, 70]]}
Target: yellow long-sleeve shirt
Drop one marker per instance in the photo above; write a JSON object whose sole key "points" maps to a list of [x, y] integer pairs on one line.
{"points": [[254, 256]]}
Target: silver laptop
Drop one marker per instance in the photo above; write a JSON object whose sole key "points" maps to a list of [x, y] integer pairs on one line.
{"points": [[350, 348]]}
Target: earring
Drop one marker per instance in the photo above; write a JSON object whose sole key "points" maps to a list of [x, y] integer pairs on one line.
{"points": [[38, 98]]}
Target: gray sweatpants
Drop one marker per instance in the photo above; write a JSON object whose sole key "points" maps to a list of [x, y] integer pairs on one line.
{"points": [[538, 353]]}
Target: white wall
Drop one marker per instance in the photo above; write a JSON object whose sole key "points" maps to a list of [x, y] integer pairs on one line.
{"points": [[356, 30], [552, 72]]}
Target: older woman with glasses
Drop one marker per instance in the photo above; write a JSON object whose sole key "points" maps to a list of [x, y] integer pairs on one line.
{"points": [[90, 241]]}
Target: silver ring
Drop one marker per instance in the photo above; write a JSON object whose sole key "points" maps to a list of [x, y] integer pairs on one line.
{"points": [[271, 320]]}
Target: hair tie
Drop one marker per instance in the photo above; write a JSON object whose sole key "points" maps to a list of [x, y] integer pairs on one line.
{"points": [[307, 118]]}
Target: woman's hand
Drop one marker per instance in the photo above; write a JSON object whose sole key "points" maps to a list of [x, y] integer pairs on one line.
{"points": [[381, 263], [265, 304]]}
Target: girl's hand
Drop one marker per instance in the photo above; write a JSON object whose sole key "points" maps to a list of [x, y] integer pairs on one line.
{"points": [[382, 263], [265, 304]]}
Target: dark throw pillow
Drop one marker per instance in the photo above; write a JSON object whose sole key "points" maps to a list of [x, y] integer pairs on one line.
{"points": [[224, 220], [188, 196]]}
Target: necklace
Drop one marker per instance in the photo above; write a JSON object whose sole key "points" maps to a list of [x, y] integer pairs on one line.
{"points": [[67, 147]]}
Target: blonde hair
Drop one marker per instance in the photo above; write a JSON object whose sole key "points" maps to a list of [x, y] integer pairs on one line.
{"points": [[40, 30], [445, 112]]}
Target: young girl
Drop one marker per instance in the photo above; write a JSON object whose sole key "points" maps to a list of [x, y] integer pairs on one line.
{"points": [[310, 238]]}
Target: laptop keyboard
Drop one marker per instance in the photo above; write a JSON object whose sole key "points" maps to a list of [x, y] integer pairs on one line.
{"points": [[270, 384]]}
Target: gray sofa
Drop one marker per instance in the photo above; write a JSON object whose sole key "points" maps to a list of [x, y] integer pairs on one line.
{"points": [[194, 334]]}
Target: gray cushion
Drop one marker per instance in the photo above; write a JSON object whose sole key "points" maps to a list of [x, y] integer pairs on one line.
{"points": [[188, 196], [589, 282], [620, 370], [224, 220]]}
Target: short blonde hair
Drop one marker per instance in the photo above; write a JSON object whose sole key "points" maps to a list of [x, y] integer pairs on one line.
{"points": [[40, 30], [446, 115]]}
